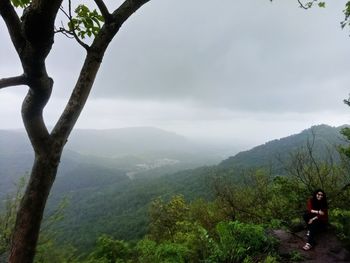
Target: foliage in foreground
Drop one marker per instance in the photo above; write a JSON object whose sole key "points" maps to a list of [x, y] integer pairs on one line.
{"points": [[234, 227], [233, 242]]}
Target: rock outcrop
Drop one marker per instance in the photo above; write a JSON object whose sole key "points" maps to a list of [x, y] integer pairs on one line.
{"points": [[327, 250]]}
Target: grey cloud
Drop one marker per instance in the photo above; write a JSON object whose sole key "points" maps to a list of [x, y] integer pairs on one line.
{"points": [[249, 55], [239, 55]]}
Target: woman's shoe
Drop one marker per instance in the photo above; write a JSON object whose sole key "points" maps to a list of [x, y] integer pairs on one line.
{"points": [[307, 246]]}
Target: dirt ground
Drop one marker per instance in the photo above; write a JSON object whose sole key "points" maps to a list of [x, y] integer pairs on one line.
{"points": [[327, 250]]}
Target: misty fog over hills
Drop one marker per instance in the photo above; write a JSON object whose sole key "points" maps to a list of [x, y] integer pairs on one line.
{"points": [[123, 170], [146, 151], [128, 200], [132, 151], [127, 141]]}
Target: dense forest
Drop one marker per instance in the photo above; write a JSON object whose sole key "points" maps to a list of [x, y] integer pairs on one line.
{"points": [[217, 213]]}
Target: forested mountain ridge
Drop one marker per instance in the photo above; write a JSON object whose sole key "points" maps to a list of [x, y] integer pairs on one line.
{"points": [[322, 138], [127, 201], [104, 200]]}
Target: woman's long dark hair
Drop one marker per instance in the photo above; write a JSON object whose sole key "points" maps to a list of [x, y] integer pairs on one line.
{"points": [[322, 204]]}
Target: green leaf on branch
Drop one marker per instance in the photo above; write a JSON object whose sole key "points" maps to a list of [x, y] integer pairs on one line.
{"points": [[346, 12], [86, 22], [21, 3], [322, 4]]}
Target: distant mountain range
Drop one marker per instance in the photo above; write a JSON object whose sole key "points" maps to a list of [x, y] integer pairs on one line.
{"points": [[104, 198], [148, 152], [120, 208], [133, 151]]}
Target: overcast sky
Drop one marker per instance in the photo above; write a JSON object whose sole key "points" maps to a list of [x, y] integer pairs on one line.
{"points": [[235, 71]]}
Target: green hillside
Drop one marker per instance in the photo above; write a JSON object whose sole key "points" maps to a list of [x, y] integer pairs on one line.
{"points": [[324, 138], [119, 208], [105, 200]]}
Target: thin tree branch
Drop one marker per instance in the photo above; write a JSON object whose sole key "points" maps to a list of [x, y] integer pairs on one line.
{"points": [[104, 10], [347, 101], [85, 46], [69, 16], [121, 14], [64, 31], [302, 5], [71, 33], [13, 81], [13, 24], [310, 149]]}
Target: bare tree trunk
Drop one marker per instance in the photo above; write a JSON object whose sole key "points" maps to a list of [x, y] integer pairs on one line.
{"points": [[31, 211]]}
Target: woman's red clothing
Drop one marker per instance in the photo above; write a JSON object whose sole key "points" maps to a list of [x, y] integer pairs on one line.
{"points": [[323, 218]]}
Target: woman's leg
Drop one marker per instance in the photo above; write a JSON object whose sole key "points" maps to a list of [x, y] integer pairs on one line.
{"points": [[314, 228], [311, 233], [307, 216]]}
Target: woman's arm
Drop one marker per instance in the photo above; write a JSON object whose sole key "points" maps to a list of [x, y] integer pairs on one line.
{"points": [[309, 206], [318, 212], [312, 220]]}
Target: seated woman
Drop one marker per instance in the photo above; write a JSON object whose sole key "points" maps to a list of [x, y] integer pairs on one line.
{"points": [[316, 217]]}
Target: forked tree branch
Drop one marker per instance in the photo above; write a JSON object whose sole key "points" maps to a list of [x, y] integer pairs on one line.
{"points": [[104, 10], [90, 68], [13, 24], [127, 9], [71, 33], [13, 81]]}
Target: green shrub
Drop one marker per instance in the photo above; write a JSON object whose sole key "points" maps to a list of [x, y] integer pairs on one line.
{"points": [[109, 250], [239, 241], [166, 252], [339, 219]]}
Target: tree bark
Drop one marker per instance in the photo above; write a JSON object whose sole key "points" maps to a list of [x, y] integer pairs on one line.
{"points": [[24, 239]]}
